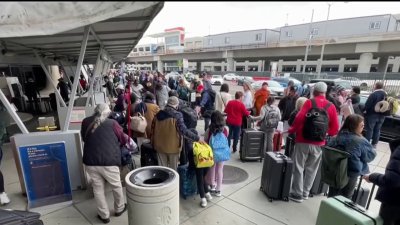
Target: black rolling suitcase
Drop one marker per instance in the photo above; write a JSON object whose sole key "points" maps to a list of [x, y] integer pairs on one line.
{"points": [[18, 217], [276, 176], [319, 187], [148, 156], [289, 145], [252, 143]]}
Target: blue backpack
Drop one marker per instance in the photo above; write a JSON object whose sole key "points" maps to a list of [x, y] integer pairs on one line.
{"points": [[220, 147]]}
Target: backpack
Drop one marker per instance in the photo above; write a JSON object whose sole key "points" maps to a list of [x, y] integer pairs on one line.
{"points": [[334, 167], [271, 118], [393, 105], [220, 147], [203, 155], [316, 123], [189, 116]]}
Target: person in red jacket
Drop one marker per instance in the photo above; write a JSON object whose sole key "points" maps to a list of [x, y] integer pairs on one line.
{"points": [[235, 111], [307, 154]]}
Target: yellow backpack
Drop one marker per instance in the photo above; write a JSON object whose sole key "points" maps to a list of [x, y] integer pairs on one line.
{"points": [[203, 155]]}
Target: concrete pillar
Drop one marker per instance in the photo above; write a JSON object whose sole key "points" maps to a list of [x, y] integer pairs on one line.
{"points": [[246, 65], [198, 66], [319, 65], [231, 64], [298, 65], [160, 66], [259, 65], [383, 60], [364, 64], [396, 65], [280, 65], [212, 67], [341, 65]]}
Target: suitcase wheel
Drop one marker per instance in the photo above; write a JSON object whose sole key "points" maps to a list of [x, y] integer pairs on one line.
{"points": [[286, 199], [270, 199], [311, 195]]}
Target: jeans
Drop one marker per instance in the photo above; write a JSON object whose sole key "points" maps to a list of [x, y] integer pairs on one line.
{"points": [[373, 124], [234, 133], [347, 191]]}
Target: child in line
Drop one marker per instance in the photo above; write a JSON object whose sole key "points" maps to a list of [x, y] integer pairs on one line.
{"points": [[217, 137]]}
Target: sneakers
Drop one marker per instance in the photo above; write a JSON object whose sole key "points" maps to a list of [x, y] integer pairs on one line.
{"points": [[103, 220], [217, 193], [295, 198], [120, 213], [203, 202], [212, 188], [305, 197], [374, 146], [208, 196], [4, 199]]}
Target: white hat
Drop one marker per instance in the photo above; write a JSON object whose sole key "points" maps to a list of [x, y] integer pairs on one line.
{"points": [[120, 86]]}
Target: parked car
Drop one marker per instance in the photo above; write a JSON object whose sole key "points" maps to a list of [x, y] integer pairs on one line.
{"points": [[333, 82], [217, 80], [285, 80], [230, 76], [241, 80], [274, 87], [390, 127], [355, 82]]}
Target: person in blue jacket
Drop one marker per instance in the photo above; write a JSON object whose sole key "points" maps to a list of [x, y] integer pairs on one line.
{"points": [[350, 139], [389, 187]]}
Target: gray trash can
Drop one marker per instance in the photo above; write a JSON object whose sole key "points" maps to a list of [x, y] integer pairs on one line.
{"points": [[153, 196]]}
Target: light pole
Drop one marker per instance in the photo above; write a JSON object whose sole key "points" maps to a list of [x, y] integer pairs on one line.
{"points": [[308, 43], [323, 45]]}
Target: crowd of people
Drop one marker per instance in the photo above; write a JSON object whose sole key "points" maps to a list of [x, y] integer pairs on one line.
{"points": [[170, 110]]}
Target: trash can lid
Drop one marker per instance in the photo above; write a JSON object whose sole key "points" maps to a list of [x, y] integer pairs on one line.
{"points": [[152, 177]]}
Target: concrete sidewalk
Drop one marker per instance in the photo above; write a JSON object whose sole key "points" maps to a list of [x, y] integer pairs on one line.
{"points": [[241, 203]]}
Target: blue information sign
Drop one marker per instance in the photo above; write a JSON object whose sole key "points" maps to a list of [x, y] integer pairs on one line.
{"points": [[46, 176]]}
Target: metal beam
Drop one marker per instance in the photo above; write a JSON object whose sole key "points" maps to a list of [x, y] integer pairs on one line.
{"points": [[13, 114], [45, 42], [90, 92], [95, 35], [128, 19], [76, 80], [49, 78]]}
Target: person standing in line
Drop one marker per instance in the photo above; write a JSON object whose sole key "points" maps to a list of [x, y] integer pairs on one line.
{"points": [[374, 119], [102, 139], [307, 152], [248, 96], [3, 112], [215, 174], [287, 106], [206, 106], [389, 187], [270, 117], [235, 111], [261, 97], [222, 98]]}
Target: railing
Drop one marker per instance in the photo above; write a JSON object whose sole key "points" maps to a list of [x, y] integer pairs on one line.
{"points": [[366, 81]]}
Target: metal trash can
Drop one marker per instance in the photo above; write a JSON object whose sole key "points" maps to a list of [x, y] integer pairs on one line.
{"points": [[153, 196]]}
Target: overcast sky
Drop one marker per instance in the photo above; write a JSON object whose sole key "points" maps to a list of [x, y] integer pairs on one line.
{"points": [[204, 18]]}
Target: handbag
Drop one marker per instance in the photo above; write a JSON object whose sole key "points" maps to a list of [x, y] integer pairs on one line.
{"points": [[138, 123], [203, 155]]}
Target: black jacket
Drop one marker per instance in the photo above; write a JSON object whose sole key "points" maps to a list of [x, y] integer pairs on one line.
{"points": [[102, 147], [389, 183], [287, 106]]}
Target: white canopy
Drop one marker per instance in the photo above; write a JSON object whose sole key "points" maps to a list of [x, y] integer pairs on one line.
{"points": [[56, 28]]}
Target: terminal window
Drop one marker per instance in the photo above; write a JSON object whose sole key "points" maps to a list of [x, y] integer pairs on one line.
{"points": [[289, 34], [258, 37], [227, 40], [314, 31], [374, 25], [210, 42]]}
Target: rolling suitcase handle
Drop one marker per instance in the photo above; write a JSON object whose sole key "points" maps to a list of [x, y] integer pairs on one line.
{"points": [[355, 195]]}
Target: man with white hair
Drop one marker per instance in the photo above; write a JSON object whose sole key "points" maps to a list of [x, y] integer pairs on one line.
{"points": [[168, 129], [102, 157], [316, 118]]}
